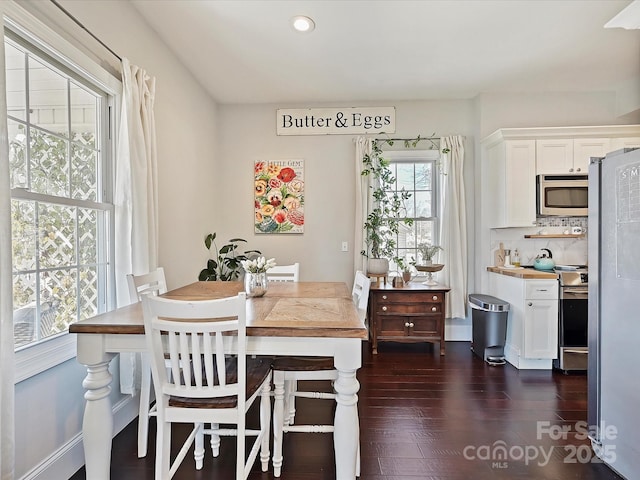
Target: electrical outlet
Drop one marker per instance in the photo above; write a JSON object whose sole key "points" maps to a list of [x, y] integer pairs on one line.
{"points": [[345, 246]]}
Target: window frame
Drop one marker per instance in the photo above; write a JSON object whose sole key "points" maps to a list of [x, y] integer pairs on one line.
{"points": [[421, 156], [47, 353]]}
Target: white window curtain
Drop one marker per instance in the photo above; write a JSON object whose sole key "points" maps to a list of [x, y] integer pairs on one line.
{"points": [[363, 199], [453, 231], [7, 426], [135, 197]]}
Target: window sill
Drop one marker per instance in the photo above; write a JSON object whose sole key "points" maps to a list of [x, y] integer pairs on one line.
{"points": [[42, 356]]}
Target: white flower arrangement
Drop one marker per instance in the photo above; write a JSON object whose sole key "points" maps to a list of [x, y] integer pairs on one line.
{"points": [[258, 265]]}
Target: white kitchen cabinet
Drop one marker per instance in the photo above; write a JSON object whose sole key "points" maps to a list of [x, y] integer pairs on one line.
{"points": [[540, 338], [627, 142], [511, 194], [568, 155], [532, 325]]}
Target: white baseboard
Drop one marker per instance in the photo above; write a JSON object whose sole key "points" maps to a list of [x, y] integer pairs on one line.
{"points": [[457, 330], [512, 356], [69, 458]]}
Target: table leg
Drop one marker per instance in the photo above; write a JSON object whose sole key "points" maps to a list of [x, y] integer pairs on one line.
{"points": [[346, 436], [97, 424]]}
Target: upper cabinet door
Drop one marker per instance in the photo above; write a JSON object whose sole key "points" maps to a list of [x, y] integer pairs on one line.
{"points": [[584, 149], [554, 156], [567, 156]]}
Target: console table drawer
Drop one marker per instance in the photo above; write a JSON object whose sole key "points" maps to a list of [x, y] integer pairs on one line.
{"points": [[413, 313]]}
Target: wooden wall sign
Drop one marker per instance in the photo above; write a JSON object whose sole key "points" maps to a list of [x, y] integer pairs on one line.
{"points": [[335, 121]]}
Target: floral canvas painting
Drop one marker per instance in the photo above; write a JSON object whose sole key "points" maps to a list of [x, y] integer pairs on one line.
{"points": [[279, 196]]}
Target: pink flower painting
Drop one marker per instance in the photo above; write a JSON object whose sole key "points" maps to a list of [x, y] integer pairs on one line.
{"points": [[279, 196]]}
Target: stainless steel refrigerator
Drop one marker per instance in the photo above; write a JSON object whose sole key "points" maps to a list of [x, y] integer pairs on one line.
{"points": [[614, 310]]}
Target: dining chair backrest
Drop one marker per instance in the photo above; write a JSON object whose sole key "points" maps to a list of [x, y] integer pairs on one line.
{"points": [[360, 293], [284, 273], [196, 335], [153, 283]]}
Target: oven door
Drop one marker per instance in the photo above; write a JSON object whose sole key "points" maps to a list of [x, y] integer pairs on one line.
{"points": [[573, 317]]}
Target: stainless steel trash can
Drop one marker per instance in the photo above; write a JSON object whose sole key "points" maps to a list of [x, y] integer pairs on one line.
{"points": [[489, 320]]}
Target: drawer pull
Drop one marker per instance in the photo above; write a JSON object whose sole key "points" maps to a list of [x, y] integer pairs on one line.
{"points": [[384, 309], [530, 304], [434, 309], [411, 324], [407, 324], [435, 297], [384, 297]]}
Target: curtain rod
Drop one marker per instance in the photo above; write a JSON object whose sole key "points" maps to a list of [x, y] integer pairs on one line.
{"points": [[406, 139], [77, 22]]}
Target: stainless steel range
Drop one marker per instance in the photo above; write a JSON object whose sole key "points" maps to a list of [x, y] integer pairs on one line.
{"points": [[573, 318]]}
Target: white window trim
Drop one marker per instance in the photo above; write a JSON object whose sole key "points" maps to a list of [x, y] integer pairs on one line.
{"points": [[41, 356]]}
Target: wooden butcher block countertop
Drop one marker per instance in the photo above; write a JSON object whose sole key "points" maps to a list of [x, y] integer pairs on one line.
{"points": [[526, 272]]}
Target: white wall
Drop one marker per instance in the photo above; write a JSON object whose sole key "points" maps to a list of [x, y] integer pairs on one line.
{"points": [[49, 406], [248, 133]]}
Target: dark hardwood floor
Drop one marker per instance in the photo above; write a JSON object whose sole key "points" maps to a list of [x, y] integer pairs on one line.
{"points": [[426, 417]]}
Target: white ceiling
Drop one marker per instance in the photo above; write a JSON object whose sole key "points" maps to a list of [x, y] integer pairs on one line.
{"points": [[244, 51]]}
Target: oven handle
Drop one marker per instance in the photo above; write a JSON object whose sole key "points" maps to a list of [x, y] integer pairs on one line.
{"points": [[574, 293]]}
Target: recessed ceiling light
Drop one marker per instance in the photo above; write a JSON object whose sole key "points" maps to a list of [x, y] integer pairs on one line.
{"points": [[303, 24]]}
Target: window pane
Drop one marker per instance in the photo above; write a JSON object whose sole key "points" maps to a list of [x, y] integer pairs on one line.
{"points": [[409, 205], [49, 166], [15, 78], [23, 232], [24, 308], [423, 204], [83, 115], [88, 236], [405, 176], [88, 292], [424, 232], [57, 235], [424, 174], [58, 291], [84, 173], [17, 155], [48, 98]]}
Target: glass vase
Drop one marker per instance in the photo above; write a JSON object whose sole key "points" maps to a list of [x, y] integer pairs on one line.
{"points": [[255, 284]]}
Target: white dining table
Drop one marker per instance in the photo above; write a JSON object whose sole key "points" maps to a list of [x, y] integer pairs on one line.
{"points": [[301, 318]]}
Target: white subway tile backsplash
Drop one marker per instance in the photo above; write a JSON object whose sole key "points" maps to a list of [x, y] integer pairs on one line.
{"points": [[565, 251]]}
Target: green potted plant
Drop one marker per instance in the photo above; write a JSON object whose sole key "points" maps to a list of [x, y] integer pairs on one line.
{"points": [[382, 224], [428, 251], [226, 263]]}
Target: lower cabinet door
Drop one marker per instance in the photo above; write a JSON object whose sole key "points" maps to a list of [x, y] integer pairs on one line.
{"points": [[425, 326], [541, 329], [392, 326]]}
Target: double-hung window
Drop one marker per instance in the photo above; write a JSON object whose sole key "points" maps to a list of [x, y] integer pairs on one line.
{"points": [[417, 173], [61, 182]]}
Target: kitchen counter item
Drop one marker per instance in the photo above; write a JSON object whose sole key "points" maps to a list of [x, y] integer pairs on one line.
{"points": [[544, 261], [498, 260], [524, 272]]}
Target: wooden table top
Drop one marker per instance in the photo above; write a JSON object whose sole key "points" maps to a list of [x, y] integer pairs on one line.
{"points": [[303, 309]]}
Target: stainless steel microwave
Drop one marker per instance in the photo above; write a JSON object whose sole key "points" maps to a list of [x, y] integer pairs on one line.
{"points": [[562, 195]]}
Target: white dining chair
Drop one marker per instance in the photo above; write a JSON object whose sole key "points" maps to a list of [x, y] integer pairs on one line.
{"points": [[206, 385], [287, 371], [284, 273], [152, 283]]}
